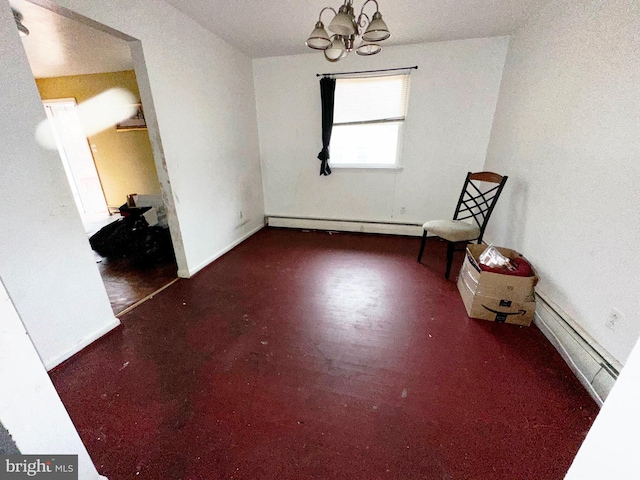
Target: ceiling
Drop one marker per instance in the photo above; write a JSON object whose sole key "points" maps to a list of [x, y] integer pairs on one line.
{"points": [[59, 46], [270, 28]]}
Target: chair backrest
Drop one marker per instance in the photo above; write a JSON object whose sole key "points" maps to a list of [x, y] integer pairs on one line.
{"points": [[478, 203]]}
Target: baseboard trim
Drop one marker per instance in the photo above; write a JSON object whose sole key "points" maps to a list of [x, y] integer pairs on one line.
{"points": [[593, 366], [345, 225], [192, 271], [53, 362]]}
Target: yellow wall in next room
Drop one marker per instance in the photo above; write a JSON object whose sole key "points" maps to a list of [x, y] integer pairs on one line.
{"points": [[124, 160]]}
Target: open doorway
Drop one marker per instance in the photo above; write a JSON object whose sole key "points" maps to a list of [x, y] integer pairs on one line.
{"points": [[77, 160], [71, 63]]}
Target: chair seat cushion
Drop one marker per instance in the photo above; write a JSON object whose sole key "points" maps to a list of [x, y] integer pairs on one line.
{"points": [[452, 230]]}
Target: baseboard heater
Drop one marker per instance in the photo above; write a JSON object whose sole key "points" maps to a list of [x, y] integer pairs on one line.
{"points": [[596, 369], [338, 225]]}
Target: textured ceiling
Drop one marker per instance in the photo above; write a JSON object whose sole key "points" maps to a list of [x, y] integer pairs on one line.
{"points": [[264, 29], [58, 46]]}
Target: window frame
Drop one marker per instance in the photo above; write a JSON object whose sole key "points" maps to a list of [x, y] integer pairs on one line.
{"points": [[396, 165]]}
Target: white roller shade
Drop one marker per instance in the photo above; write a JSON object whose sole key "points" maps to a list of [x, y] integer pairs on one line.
{"points": [[371, 99]]}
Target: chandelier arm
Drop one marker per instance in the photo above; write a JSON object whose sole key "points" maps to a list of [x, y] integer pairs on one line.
{"points": [[363, 20], [363, 16], [326, 8], [365, 4]]}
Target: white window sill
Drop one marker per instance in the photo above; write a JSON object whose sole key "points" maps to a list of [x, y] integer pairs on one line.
{"points": [[367, 168]]}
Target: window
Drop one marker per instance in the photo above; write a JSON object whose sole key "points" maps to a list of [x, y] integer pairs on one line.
{"points": [[367, 123]]}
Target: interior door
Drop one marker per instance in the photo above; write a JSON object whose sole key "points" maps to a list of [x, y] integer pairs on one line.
{"points": [[76, 157]]}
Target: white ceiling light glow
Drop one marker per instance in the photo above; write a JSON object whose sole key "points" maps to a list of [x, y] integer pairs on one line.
{"points": [[347, 30]]}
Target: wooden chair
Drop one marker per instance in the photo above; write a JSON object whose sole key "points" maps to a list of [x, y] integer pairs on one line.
{"points": [[474, 203]]}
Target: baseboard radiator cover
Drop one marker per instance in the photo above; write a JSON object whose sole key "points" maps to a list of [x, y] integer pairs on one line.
{"points": [[594, 367], [338, 225]]}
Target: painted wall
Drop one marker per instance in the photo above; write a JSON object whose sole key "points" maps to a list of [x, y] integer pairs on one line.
{"points": [[124, 160], [46, 263], [452, 100], [566, 132], [204, 100], [203, 94], [30, 408], [611, 447]]}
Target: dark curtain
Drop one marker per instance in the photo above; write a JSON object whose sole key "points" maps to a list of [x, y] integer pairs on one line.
{"points": [[327, 94]]}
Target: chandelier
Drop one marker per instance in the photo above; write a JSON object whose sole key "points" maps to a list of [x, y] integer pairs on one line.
{"points": [[346, 30]]}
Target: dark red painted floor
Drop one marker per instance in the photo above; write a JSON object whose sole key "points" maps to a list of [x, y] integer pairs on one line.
{"points": [[308, 355]]}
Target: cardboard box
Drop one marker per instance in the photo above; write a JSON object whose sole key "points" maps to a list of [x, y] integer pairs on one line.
{"points": [[496, 297]]}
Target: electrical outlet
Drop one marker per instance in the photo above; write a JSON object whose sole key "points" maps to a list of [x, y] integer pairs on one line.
{"points": [[614, 320]]}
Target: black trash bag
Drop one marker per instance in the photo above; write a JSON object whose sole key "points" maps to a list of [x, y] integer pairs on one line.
{"points": [[151, 246], [117, 238], [132, 237]]}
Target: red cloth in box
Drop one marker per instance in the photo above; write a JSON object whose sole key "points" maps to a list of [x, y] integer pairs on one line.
{"points": [[523, 268]]}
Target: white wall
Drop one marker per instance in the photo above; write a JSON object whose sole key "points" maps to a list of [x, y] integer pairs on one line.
{"points": [[204, 100], [452, 100], [46, 263], [566, 132], [611, 447], [30, 408]]}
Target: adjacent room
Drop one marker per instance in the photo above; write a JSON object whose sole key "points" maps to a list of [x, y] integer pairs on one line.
{"points": [[339, 312], [111, 172]]}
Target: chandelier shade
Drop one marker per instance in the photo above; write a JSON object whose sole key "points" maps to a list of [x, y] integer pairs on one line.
{"points": [[362, 33], [319, 39], [337, 50], [377, 30], [344, 23], [367, 49]]}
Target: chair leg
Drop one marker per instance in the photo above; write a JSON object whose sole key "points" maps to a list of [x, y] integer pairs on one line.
{"points": [[424, 240], [451, 246]]}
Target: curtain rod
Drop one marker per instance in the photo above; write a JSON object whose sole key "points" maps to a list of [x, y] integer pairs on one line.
{"points": [[415, 67]]}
